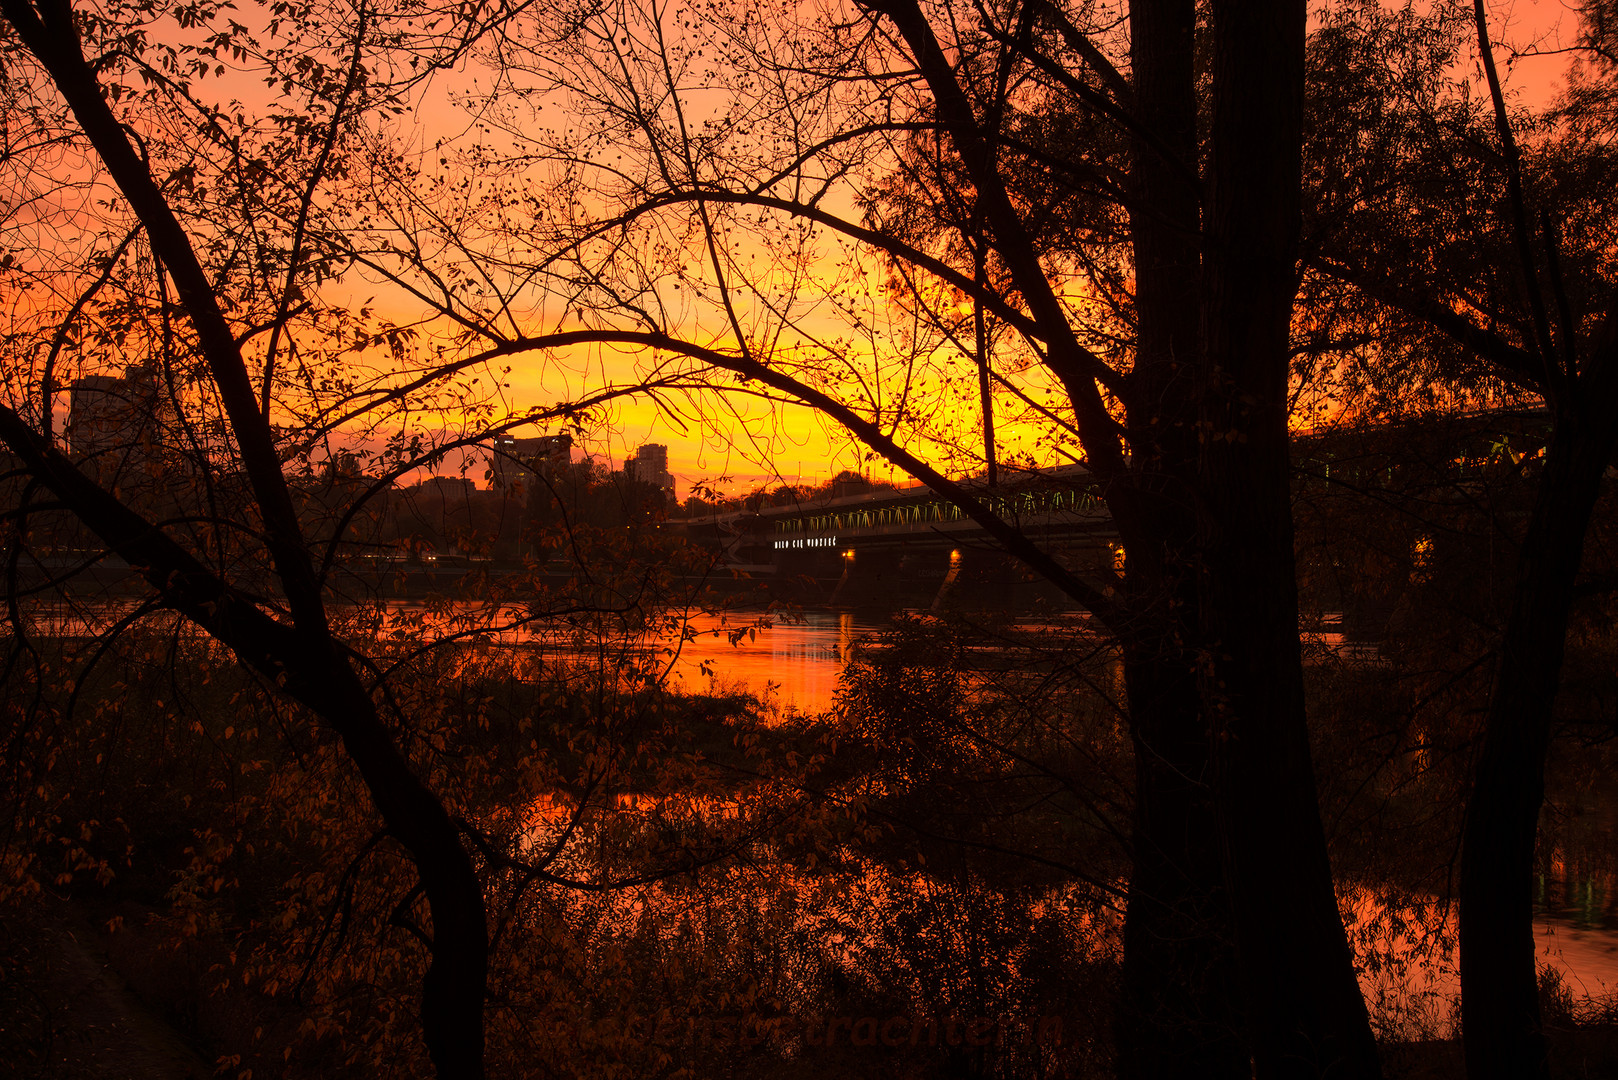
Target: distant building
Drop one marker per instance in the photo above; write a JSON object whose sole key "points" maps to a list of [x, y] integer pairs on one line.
{"points": [[448, 488], [513, 463], [650, 465], [115, 424], [100, 411]]}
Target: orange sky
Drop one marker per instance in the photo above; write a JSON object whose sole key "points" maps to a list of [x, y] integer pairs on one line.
{"points": [[1528, 34], [734, 438]]}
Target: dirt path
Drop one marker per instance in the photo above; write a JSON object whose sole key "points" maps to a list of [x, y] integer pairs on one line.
{"points": [[89, 1026]]}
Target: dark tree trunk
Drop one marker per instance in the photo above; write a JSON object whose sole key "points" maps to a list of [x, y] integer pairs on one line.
{"points": [[452, 991], [1499, 982], [1303, 1004], [1180, 1015]]}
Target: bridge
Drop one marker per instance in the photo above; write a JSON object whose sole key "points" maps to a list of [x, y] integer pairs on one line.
{"points": [[878, 543]]}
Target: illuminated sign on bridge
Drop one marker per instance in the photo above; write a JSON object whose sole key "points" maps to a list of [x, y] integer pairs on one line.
{"points": [[807, 542]]}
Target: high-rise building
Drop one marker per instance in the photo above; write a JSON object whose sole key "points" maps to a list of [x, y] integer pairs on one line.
{"points": [[116, 424], [99, 411], [516, 462], [650, 465]]}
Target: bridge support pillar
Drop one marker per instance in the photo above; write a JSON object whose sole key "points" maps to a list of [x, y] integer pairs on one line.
{"points": [[949, 579], [842, 582]]}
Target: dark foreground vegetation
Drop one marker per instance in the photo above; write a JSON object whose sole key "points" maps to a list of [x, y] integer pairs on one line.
{"points": [[928, 881], [1159, 239], [931, 880]]}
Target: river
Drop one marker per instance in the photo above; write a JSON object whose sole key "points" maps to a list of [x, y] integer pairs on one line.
{"points": [[798, 661], [794, 660], [791, 658]]}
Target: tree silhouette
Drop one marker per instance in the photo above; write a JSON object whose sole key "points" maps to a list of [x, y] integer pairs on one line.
{"points": [[1482, 256], [204, 251], [699, 208], [969, 236]]}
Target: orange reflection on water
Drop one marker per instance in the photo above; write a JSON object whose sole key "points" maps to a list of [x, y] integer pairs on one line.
{"points": [[795, 661], [1409, 971]]}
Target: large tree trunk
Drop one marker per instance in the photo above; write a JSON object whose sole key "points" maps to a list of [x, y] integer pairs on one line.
{"points": [[453, 989], [1499, 981], [1180, 1014], [1304, 1008], [1303, 1004]]}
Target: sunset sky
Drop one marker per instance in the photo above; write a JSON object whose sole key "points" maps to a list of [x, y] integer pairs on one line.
{"points": [[738, 442], [729, 440]]}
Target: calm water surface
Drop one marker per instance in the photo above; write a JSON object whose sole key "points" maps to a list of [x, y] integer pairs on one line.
{"points": [[799, 664], [795, 660]]}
